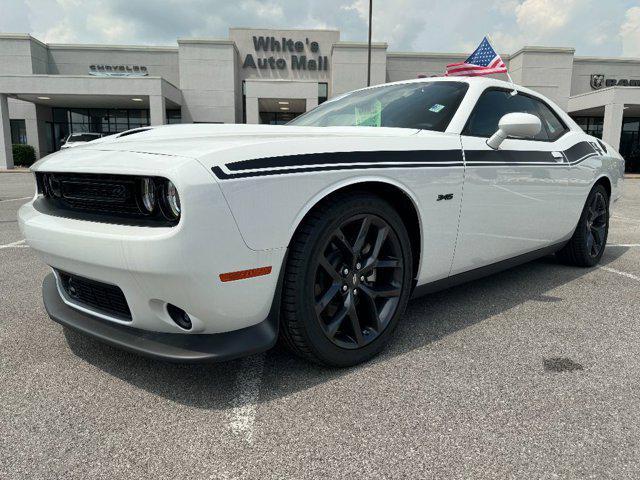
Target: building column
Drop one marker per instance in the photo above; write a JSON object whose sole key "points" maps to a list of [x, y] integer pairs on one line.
{"points": [[6, 154], [252, 110], [312, 102], [612, 127], [157, 110], [44, 117]]}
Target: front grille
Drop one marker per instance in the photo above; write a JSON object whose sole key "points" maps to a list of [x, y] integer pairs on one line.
{"points": [[97, 296], [100, 197]]}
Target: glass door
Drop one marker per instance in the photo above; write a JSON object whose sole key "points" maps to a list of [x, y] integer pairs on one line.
{"points": [[630, 144]]}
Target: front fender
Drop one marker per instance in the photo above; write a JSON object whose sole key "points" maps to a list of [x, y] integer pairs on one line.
{"points": [[269, 210]]}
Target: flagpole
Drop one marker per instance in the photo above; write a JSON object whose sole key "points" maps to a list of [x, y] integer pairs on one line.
{"points": [[369, 45], [515, 91]]}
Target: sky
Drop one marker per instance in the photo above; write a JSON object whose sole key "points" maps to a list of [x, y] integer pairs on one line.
{"points": [[592, 27]]}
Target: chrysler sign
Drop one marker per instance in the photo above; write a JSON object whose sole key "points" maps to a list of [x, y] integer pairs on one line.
{"points": [[100, 70]]}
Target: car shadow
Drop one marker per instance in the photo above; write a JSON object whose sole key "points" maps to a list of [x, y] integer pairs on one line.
{"points": [[427, 320]]}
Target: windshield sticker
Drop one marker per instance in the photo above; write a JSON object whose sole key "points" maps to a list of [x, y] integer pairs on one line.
{"points": [[369, 117], [436, 108]]}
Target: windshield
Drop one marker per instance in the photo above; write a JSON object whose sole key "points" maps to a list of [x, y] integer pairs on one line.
{"points": [[82, 137], [423, 105]]}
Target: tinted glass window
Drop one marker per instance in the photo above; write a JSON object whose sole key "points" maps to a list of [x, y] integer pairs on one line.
{"points": [[83, 137], [18, 131], [492, 105], [550, 121], [424, 105]]}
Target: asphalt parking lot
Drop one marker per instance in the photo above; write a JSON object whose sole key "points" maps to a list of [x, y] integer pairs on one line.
{"points": [[531, 373]]}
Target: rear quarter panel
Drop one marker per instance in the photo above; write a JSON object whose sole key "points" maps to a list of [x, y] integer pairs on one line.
{"points": [[583, 175]]}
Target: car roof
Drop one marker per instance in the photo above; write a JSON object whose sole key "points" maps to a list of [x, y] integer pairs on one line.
{"points": [[480, 81]]}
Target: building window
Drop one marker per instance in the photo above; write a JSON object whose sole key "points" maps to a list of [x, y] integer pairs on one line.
{"points": [[277, 118], [18, 132], [174, 116], [323, 92], [591, 125], [99, 120], [629, 138], [630, 143]]}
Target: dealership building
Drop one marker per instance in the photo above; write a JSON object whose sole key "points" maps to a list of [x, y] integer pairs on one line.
{"points": [[48, 91]]}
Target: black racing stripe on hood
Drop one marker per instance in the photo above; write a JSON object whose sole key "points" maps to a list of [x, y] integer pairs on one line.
{"points": [[332, 158], [261, 173]]}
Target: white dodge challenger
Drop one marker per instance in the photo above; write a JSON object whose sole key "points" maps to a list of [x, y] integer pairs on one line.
{"points": [[210, 242]]}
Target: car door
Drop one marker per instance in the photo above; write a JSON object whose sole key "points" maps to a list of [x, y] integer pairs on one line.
{"points": [[513, 196]]}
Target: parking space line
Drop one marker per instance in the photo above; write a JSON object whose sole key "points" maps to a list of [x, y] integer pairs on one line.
{"points": [[18, 244], [15, 199], [626, 219], [245, 402], [624, 274]]}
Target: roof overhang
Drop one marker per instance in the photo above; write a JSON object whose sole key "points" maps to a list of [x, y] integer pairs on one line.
{"points": [[593, 103], [89, 91]]}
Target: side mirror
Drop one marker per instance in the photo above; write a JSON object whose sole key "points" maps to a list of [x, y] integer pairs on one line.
{"points": [[515, 125]]}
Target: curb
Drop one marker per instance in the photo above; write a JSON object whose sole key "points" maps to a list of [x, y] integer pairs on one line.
{"points": [[14, 170]]}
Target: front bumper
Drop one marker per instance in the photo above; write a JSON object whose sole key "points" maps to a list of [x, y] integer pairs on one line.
{"points": [[158, 266], [173, 347]]}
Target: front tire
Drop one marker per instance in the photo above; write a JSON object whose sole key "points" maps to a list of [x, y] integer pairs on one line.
{"points": [[587, 245], [347, 280]]}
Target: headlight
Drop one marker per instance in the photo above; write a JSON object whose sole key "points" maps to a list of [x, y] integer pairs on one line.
{"points": [[172, 200], [148, 194], [158, 197]]}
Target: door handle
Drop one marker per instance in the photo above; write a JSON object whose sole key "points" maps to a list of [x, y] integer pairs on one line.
{"points": [[558, 156]]}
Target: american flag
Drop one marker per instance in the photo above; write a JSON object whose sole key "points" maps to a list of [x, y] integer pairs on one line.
{"points": [[483, 61]]}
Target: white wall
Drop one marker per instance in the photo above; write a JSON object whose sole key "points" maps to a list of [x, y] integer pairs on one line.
{"points": [[349, 66], [76, 59], [545, 70], [24, 55], [208, 80], [618, 68], [405, 66], [15, 55]]}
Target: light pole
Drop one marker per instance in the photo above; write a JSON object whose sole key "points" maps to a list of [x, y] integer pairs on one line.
{"points": [[369, 46]]}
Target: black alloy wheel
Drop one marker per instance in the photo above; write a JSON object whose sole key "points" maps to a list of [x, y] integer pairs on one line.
{"points": [[596, 224], [358, 281], [587, 245], [347, 280]]}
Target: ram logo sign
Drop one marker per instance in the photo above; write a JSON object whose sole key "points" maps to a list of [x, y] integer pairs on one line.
{"points": [[599, 81]]}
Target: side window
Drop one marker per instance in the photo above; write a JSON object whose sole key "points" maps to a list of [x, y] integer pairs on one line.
{"points": [[550, 121], [490, 108]]}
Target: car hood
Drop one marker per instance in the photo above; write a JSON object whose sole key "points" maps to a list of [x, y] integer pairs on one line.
{"points": [[195, 141], [214, 145]]}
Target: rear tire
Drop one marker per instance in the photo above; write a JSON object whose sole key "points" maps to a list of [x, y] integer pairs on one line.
{"points": [[590, 237], [347, 280]]}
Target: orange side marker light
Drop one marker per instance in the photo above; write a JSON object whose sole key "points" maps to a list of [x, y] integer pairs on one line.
{"points": [[244, 274]]}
